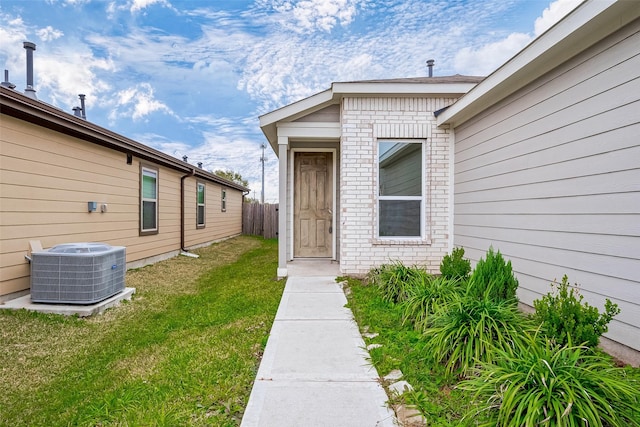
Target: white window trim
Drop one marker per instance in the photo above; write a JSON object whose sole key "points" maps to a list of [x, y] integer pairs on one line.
{"points": [[223, 200], [422, 198], [203, 204], [155, 173]]}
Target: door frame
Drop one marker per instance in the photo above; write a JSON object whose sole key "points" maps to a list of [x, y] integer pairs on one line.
{"points": [[291, 185]]}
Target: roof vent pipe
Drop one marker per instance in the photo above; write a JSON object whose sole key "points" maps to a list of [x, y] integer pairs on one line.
{"points": [[6, 82], [185, 158], [430, 63], [83, 110], [30, 91], [77, 111], [200, 165]]}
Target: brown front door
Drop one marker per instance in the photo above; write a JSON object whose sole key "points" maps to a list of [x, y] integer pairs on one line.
{"points": [[313, 199]]}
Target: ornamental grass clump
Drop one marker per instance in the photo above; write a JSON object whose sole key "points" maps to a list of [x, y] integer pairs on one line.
{"points": [[538, 383], [469, 329], [395, 280], [492, 274], [427, 296], [564, 316]]}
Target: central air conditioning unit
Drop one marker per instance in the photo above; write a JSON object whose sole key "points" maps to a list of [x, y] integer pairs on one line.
{"points": [[77, 273]]}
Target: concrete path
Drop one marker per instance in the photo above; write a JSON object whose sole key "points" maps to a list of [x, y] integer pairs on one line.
{"points": [[314, 371]]}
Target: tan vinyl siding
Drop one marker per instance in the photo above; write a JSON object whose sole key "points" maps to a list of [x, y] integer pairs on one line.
{"points": [[218, 224], [551, 177], [46, 180]]}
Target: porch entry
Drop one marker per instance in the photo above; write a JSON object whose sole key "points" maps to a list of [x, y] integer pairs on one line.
{"points": [[312, 205]]}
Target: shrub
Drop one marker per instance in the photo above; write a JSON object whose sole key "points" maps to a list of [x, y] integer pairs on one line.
{"points": [[468, 329], [427, 296], [544, 384], [395, 280], [565, 317], [454, 266], [494, 276]]}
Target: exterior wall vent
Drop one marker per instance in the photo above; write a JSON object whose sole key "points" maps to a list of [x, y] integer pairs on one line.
{"points": [[77, 273]]}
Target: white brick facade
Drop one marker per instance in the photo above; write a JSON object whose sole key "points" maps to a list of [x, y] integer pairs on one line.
{"points": [[364, 122]]}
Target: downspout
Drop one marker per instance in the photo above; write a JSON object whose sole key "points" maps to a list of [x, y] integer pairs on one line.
{"points": [[184, 251]]}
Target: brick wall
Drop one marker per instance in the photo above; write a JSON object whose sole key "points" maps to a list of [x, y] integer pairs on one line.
{"points": [[364, 122]]}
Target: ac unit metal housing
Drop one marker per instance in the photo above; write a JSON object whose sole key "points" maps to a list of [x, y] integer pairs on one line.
{"points": [[77, 273]]}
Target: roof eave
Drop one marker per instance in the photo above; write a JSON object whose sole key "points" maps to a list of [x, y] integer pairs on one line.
{"points": [[401, 88], [17, 105], [269, 121], [584, 26]]}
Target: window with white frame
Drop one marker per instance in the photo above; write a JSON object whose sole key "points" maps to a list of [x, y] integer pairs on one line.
{"points": [[400, 184], [148, 200], [200, 205], [223, 203]]}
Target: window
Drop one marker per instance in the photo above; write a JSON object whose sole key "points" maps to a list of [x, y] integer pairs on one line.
{"points": [[200, 206], [148, 201], [224, 200], [400, 201]]}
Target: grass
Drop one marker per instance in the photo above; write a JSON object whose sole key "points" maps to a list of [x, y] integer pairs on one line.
{"points": [[184, 351], [459, 400], [404, 348]]}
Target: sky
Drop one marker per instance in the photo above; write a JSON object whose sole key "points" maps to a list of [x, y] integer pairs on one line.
{"points": [[192, 77]]}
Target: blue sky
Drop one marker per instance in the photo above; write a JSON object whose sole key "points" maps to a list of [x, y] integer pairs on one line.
{"points": [[192, 77]]}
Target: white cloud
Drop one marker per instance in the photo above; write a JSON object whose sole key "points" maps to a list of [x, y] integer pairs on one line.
{"points": [[554, 13], [487, 58], [137, 102], [138, 5], [49, 33], [309, 15], [13, 31]]}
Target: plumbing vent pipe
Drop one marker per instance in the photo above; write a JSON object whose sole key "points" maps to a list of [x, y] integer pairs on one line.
{"points": [[6, 82], [30, 91], [83, 110], [430, 63], [77, 111]]}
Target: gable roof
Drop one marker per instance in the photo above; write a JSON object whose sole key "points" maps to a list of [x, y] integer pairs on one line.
{"points": [[587, 24], [20, 106], [441, 86]]}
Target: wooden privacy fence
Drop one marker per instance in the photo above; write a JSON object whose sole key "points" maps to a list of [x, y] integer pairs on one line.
{"points": [[260, 220]]}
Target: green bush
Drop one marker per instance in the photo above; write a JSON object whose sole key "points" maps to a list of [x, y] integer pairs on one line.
{"points": [[542, 384], [427, 296], [395, 280], [565, 317], [468, 330], [494, 276], [454, 266]]}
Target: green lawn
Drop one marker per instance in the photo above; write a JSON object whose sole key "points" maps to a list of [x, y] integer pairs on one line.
{"points": [[184, 351], [403, 348], [436, 394]]}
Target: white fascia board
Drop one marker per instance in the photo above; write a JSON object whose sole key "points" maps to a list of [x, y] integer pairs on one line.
{"points": [[401, 88], [290, 112], [590, 22], [309, 130], [297, 107]]}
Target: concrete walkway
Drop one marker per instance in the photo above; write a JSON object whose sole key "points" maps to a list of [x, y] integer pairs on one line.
{"points": [[314, 371]]}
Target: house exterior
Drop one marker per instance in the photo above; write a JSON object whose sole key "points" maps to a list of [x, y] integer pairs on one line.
{"points": [[52, 164], [540, 160], [346, 156], [547, 163]]}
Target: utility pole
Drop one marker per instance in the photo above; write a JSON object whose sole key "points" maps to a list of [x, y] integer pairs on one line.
{"points": [[262, 160]]}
